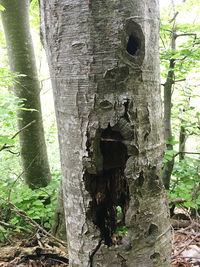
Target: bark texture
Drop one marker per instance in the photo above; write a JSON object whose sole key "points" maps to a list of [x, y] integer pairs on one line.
{"points": [[58, 228], [15, 20], [104, 64]]}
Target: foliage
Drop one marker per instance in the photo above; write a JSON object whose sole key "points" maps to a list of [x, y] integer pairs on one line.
{"points": [[34, 14], [39, 204], [1, 8], [181, 22], [186, 178], [121, 229], [8, 127]]}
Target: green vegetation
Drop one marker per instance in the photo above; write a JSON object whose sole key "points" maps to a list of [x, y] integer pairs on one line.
{"points": [[184, 33], [39, 204]]}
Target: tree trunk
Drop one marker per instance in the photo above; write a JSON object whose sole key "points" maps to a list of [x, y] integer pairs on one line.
{"points": [[104, 63], [58, 228], [182, 141], [169, 165], [15, 20]]}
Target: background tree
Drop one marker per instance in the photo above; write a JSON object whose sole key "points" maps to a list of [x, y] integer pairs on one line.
{"points": [[15, 18], [180, 54], [58, 226], [104, 65]]}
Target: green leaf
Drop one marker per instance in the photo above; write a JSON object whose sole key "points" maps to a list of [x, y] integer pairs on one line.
{"points": [[14, 221], [2, 8], [5, 139], [47, 225]]}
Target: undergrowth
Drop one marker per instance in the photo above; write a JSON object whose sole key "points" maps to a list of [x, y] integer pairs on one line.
{"points": [[39, 204]]}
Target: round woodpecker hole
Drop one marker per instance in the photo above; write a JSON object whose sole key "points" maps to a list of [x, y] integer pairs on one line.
{"points": [[133, 45]]}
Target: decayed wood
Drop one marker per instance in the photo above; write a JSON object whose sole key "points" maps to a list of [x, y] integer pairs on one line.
{"points": [[180, 223], [186, 224], [8, 253]]}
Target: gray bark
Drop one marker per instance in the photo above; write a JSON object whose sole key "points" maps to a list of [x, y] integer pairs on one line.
{"points": [[104, 65], [58, 228], [15, 20]]}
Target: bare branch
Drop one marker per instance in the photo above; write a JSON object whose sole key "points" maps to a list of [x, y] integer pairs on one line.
{"points": [[180, 80], [22, 129], [192, 153], [177, 200], [186, 34], [6, 225], [163, 42], [174, 17], [5, 146]]}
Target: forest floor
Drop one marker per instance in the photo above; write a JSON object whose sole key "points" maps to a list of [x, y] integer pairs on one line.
{"points": [[39, 252], [186, 247]]}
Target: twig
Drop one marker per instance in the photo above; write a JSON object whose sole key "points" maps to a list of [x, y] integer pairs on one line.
{"points": [[22, 129], [42, 190], [180, 80], [10, 190], [177, 200], [14, 153], [172, 19], [192, 153], [185, 232], [192, 225], [57, 260], [5, 238], [187, 257], [6, 225], [19, 176], [163, 42], [187, 34], [31, 222], [177, 254]]}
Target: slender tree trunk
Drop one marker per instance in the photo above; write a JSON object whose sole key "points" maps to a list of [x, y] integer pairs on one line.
{"points": [[168, 167], [104, 63], [15, 20], [182, 141]]}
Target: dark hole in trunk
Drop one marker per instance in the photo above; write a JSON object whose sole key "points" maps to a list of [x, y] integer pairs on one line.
{"points": [[133, 45], [109, 187]]}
